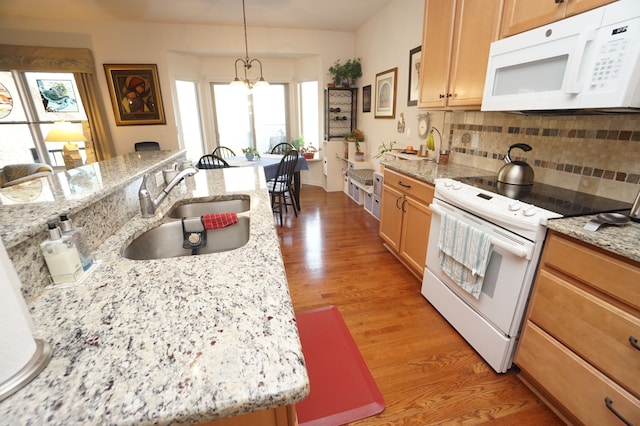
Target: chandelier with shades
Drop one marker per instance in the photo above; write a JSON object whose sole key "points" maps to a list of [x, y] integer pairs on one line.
{"points": [[247, 63]]}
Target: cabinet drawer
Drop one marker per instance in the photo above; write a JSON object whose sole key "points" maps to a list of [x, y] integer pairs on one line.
{"points": [[576, 385], [609, 275], [419, 190], [596, 330]]}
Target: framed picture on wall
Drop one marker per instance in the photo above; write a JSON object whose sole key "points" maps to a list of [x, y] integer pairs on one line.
{"points": [[385, 106], [135, 94], [415, 56], [366, 98]]}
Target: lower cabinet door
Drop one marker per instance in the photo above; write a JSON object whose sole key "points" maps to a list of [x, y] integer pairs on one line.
{"points": [[585, 394], [391, 217], [415, 234]]}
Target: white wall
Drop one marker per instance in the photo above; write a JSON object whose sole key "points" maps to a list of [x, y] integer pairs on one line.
{"points": [[383, 43]]}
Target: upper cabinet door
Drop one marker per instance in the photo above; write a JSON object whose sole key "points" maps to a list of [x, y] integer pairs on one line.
{"points": [[455, 51], [477, 25], [437, 38], [523, 15]]}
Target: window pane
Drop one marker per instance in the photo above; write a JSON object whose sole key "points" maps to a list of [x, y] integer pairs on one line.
{"points": [[190, 118], [55, 96], [16, 144], [11, 109], [232, 117], [269, 104], [309, 112]]}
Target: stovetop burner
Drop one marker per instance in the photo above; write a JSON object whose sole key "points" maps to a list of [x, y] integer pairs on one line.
{"points": [[562, 201]]}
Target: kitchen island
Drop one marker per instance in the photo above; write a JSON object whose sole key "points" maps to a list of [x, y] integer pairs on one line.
{"points": [[180, 340]]}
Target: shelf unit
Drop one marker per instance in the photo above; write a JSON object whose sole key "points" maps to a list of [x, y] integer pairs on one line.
{"points": [[340, 112]]}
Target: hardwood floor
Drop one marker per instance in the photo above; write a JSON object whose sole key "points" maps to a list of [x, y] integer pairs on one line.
{"points": [[426, 372]]}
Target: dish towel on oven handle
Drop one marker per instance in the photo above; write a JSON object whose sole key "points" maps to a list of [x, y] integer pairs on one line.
{"points": [[464, 253]]}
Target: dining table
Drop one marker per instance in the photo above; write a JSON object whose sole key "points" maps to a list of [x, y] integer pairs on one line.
{"points": [[270, 163]]}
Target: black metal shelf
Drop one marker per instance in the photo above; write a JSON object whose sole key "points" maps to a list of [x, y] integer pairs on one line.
{"points": [[340, 111]]}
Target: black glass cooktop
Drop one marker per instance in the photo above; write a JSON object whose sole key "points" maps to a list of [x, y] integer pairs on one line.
{"points": [[559, 200]]}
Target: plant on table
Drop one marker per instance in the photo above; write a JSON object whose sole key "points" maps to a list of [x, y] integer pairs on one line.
{"points": [[251, 153], [298, 143]]}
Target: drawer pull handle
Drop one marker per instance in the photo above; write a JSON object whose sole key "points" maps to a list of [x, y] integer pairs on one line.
{"points": [[398, 199], [609, 402], [634, 342], [404, 185]]}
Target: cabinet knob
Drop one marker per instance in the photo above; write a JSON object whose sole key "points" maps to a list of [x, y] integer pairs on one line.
{"points": [[634, 342], [441, 96], [559, 1]]}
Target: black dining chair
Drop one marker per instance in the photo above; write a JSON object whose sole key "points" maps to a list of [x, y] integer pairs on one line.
{"points": [[147, 146], [281, 187], [223, 152], [210, 161], [282, 148]]}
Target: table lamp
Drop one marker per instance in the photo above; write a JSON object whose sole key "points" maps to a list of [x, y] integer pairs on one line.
{"points": [[64, 131]]}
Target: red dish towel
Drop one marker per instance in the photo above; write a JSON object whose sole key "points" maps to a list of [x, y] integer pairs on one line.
{"points": [[219, 220]]}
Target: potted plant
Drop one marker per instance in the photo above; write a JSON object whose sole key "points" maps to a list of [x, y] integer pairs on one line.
{"points": [[251, 153], [382, 149], [356, 136], [345, 75], [309, 152], [298, 143]]}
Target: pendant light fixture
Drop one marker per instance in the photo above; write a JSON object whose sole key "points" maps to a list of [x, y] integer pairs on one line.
{"points": [[247, 63]]}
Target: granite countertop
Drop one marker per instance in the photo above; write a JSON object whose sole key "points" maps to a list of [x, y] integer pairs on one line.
{"points": [[184, 340], [25, 208], [620, 240]]}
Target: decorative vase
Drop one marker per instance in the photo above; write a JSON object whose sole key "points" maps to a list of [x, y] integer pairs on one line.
{"points": [[308, 155], [359, 156], [249, 156]]}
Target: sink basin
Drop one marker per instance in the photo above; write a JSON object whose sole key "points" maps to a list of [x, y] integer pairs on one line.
{"points": [[195, 209], [166, 240]]}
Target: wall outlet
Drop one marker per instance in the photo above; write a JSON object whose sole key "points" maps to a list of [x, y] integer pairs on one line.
{"points": [[159, 179]]}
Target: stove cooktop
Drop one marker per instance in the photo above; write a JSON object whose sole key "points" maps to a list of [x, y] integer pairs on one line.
{"points": [[559, 200]]}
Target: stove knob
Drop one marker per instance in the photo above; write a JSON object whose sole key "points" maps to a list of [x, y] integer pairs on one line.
{"points": [[529, 211], [448, 183], [515, 206], [457, 185]]}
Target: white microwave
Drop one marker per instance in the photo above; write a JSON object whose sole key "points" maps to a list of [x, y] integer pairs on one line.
{"points": [[589, 61]]}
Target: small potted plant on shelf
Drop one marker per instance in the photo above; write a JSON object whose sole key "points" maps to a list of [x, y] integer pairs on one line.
{"points": [[251, 153], [298, 143], [309, 152], [345, 75], [356, 136]]}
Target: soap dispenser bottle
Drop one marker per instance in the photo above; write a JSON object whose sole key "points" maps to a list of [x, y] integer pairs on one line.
{"points": [[79, 239], [61, 256]]}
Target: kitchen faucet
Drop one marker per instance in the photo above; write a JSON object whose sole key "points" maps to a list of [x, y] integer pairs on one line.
{"points": [[147, 205]]}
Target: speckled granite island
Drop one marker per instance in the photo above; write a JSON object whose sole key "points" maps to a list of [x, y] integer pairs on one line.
{"points": [[181, 340]]}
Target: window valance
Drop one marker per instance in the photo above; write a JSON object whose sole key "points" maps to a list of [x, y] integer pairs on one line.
{"points": [[40, 58]]}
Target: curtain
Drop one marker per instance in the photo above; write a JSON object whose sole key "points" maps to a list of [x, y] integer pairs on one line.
{"points": [[67, 59]]}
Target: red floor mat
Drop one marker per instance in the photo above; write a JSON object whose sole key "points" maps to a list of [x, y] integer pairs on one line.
{"points": [[342, 389]]}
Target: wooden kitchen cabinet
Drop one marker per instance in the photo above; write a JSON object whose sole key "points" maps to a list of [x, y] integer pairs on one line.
{"points": [[455, 51], [523, 15], [579, 343], [405, 218]]}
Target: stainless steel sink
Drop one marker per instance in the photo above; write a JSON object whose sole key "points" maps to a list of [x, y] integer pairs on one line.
{"points": [[238, 204], [166, 241]]}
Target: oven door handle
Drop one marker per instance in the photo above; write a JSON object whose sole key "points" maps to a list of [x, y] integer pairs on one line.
{"points": [[515, 250]]}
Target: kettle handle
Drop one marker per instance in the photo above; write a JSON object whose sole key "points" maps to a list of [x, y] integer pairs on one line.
{"points": [[522, 146]]}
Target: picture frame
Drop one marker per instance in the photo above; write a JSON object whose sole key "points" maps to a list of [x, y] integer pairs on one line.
{"points": [[135, 94], [415, 56], [386, 82], [366, 98]]}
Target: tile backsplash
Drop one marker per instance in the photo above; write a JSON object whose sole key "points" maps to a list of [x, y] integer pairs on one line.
{"points": [[597, 154]]}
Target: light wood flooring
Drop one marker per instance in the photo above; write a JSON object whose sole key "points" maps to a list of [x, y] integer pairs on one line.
{"points": [[425, 371]]}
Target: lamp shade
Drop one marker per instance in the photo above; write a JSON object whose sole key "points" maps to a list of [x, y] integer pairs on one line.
{"points": [[64, 131]]}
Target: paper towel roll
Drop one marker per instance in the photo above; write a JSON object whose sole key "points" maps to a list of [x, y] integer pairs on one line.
{"points": [[17, 345]]}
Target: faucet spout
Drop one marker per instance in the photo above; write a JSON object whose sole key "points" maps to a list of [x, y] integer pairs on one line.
{"points": [[148, 206]]}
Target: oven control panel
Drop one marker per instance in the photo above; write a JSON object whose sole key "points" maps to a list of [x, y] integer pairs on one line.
{"points": [[504, 211]]}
